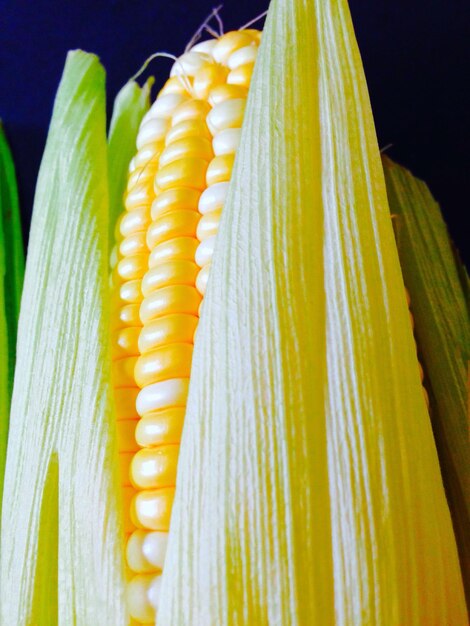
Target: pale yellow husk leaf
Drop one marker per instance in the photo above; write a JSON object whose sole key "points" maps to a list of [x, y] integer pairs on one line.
{"points": [[438, 288], [308, 489], [61, 543]]}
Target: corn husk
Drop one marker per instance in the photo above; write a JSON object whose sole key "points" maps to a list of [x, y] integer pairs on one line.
{"points": [[11, 283], [61, 539], [130, 105], [438, 287], [308, 488]]}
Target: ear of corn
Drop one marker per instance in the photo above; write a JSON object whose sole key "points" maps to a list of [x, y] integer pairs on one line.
{"points": [[130, 105], [439, 300], [61, 535], [11, 283], [308, 487], [177, 185]]}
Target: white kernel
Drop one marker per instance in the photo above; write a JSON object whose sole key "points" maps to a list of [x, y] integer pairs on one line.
{"points": [[205, 251], [172, 392], [154, 548], [152, 130], [205, 47], [165, 104], [226, 114], [137, 599], [188, 64], [226, 142], [244, 55], [202, 278], [153, 591], [213, 198]]}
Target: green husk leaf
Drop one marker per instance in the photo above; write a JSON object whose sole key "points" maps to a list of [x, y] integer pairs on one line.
{"points": [[11, 284], [438, 287], [61, 548], [308, 487], [130, 105]]}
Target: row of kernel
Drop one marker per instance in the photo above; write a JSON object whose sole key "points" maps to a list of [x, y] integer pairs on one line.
{"points": [[169, 316], [133, 262], [224, 121]]}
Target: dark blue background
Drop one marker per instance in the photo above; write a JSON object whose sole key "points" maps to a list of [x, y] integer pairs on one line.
{"points": [[415, 53]]}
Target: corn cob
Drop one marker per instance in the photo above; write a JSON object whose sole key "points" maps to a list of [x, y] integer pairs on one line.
{"points": [[178, 182]]}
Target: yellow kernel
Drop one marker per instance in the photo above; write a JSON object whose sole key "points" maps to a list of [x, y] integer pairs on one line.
{"points": [[147, 157], [188, 63], [168, 361], [137, 599], [228, 43], [256, 34], [241, 75], [190, 110], [134, 553], [226, 141], [141, 195], [167, 300], [178, 198], [182, 272], [221, 93], [173, 328], [200, 147], [133, 244], [181, 223], [220, 169], [173, 85], [207, 77], [180, 248], [202, 278], [162, 427], [169, 393], [154, 468], [226, 114], [142, 174], [152, 509], [186, 172], [154, 548], [134, 221], [132, 267], [208, 225], [130, 291], [152, 131], [123, 372], [213, 198], [205, 47], [129, 315], [187, 128], [124, 342], [242, 56], [205, 251], [166, 104]]}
